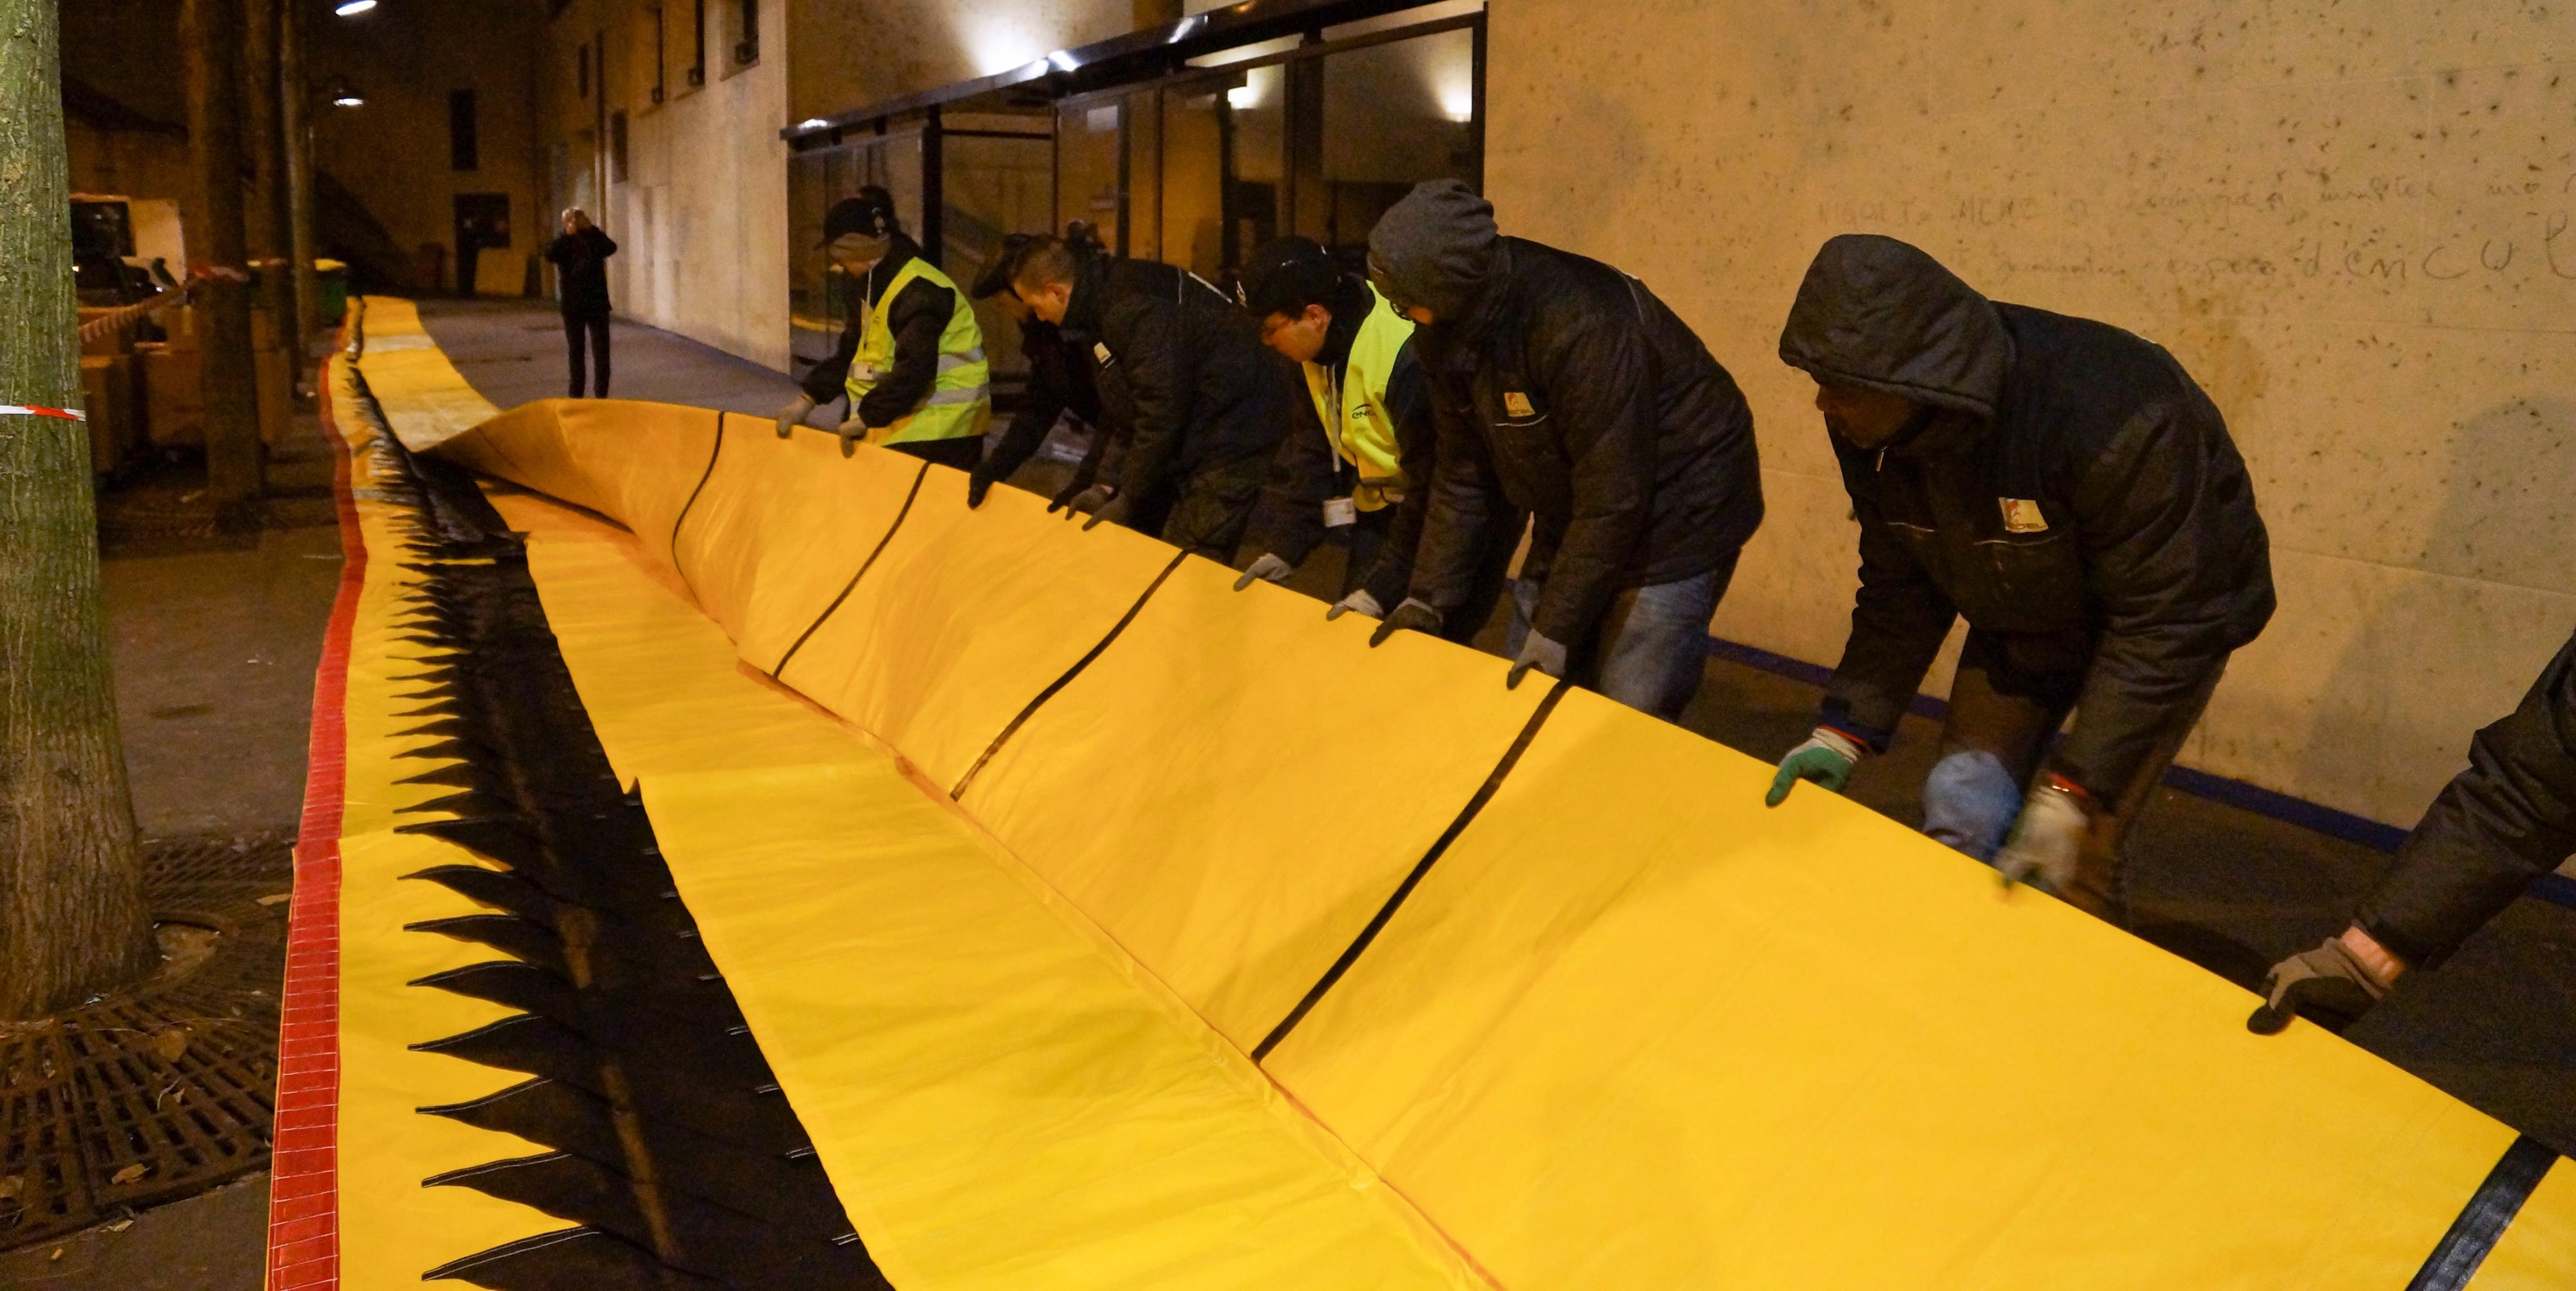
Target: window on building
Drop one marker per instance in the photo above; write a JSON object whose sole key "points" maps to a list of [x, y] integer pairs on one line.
{"points": [[697, 43], [746, 46], [1391, 116], [617, 147], [463, 144], [660, 39]]}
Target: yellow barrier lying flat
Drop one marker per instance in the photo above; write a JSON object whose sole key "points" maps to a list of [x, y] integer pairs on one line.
{"points": [[1626, 1028]]}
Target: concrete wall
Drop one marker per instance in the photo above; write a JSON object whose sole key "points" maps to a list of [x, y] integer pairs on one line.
{"points": [[700, 211], [393, 152], [2355, 223], [847, 55]]}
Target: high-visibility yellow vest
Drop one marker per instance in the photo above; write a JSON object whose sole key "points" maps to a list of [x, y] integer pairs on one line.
{"points": [[1354, 412], [960, 403]]}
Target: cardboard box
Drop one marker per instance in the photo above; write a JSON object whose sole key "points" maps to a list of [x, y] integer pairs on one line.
{"points": [[107, 388], [174, 401]]}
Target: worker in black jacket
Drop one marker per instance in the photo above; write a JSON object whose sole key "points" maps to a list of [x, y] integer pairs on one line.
{"points": [[1059, 382], [1183, 370], [1358, 457], [580, 257], [1562, 387], [2507, 820], [911, 359], [2066, 487]]}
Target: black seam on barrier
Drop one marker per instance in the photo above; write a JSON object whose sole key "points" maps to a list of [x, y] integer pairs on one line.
{"points": [[2455, 1259], [685, 507], [1065, 680], [853, 584], [1466, 814]]}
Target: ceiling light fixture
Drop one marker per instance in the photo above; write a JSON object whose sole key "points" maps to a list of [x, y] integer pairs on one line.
{"points": [[352, 8]]}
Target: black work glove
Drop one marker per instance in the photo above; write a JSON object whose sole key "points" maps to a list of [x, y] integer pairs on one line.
{"points": [[1412, 616], [977, 485], [2328, 985]]}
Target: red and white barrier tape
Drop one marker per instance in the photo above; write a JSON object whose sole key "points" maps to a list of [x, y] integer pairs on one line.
{"points": [[26, 410]]}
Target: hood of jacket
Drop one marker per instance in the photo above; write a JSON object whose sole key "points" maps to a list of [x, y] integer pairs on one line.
{"points": [[1879, 313]]}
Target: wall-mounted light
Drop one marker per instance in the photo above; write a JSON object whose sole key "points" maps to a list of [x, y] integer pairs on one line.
{"points": [[345, 95], [812, 123], [352, 8]]}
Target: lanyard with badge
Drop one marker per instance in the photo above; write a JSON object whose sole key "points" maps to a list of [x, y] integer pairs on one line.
{"points": [[1341, 509]]}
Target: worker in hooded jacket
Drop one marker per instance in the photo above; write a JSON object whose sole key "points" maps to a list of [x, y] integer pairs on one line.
{"points": [[2501, 825], [2067, 488], [1363, 444], [1183, 371], [1561, 387], [911, 358]]}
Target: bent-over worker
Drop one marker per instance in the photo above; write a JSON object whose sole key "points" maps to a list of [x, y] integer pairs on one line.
{"points": [[1564, 389], [911, 358], [2067, 488]]}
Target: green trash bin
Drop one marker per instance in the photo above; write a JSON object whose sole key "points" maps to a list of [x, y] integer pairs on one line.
{"points": [[333, 279]]}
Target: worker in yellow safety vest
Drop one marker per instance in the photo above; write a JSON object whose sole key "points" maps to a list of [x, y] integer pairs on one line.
{"points": [[1352, 465], [911, 358]]}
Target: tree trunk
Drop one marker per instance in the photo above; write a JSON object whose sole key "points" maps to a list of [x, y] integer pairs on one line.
{"points": [[268, 221], [72, 918], [293, 98], [211, 32]]}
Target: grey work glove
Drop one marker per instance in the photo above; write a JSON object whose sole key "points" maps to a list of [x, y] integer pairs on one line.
{"points": [[1360, 603], [1412, 616], [1114, 511], [1065, 497], [793, 415], [2045, 842], [852, 432], [1086, 502], [2329, 984], [1538, 653], [1827, 758], [1267, 568]]}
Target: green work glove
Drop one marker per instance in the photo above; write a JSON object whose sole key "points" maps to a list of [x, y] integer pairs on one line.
{"points": [[1826, 758], [2046, 841], [2329, 984], [1412, 616], [1266, 568], [1538, 654], [1360, 603], [793, 415]]}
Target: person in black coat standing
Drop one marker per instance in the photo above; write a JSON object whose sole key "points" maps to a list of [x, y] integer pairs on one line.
{"points": [[2067, 488], [1563, 388], [580, 257]]}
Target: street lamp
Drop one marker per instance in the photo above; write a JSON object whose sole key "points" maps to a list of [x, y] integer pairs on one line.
{"points": [[352, 8]]}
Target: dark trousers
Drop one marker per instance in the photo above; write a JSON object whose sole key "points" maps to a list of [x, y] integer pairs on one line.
{"points": [[2009, 714], [963, 452], [1215, 506], [597, 326]]}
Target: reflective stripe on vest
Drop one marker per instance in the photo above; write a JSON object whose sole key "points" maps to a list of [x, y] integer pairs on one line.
{"points": [[1354, 415], [960, 402]]}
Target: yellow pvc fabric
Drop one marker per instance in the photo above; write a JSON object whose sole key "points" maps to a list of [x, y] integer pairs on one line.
{"points": [[932, 1010], [1630, 1030]]}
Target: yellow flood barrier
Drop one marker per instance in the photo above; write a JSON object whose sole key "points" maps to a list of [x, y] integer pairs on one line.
{"points": [[1549, 983]]}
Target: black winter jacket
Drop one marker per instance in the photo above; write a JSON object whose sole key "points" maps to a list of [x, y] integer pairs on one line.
{"points": [[581, 270], [2074, 485], [917, 318], [1182, 373], [1570, 392], [1060, 381], [2507, 820]]}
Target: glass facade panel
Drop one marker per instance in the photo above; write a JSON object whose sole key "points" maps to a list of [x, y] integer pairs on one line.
{"points": [[1394, 115], [815, 180]]}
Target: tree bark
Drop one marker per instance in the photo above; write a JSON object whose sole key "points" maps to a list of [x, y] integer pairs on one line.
{"points": [[211, 32], [294, 98], [269, 222], [72, 918]]}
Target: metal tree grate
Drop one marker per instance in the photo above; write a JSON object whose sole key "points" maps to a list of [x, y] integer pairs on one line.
{"points": [[166, 1089]]}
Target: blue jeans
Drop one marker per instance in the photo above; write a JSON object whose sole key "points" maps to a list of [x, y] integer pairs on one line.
{"points": [[1650, 647]]}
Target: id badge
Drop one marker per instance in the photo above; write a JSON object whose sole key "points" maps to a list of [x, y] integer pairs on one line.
{"points": [[1339, 512]]}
